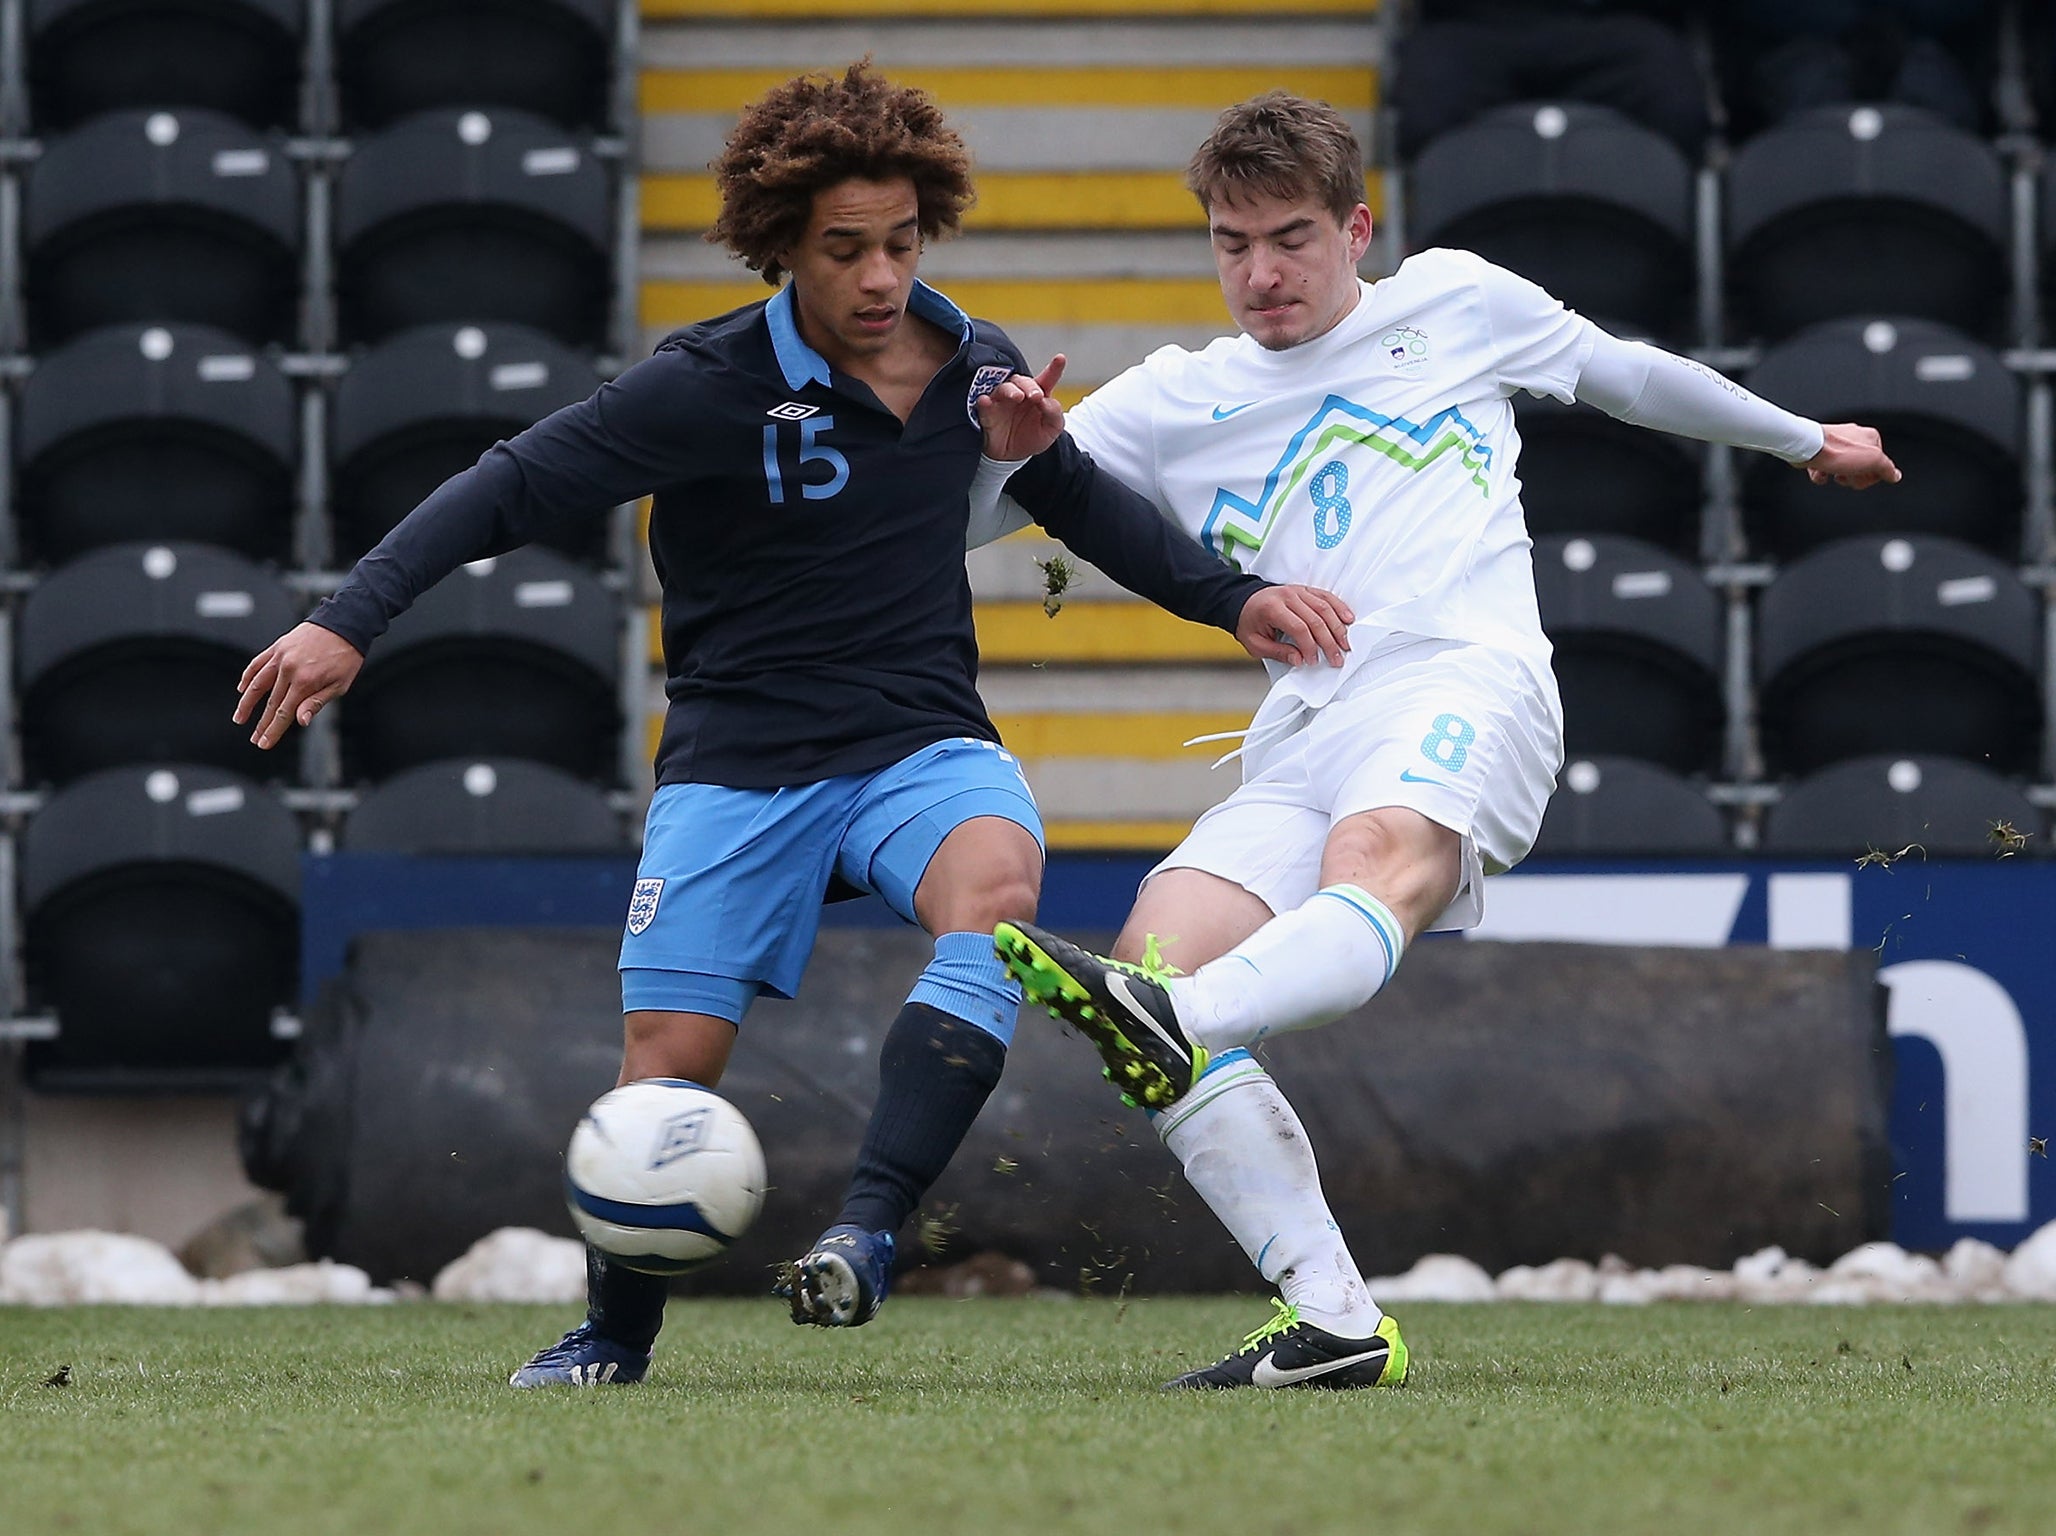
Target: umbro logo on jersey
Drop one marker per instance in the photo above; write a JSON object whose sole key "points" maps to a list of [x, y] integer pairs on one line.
{"points": [[792, 410], [1223, 412]]}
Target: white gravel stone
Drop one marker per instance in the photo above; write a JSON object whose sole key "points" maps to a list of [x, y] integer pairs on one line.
{"points": [[1976, 1269], [69, 1268], [1437, 1277], [1559, 1280], [522, 1264], [295, 1285], [2031, 1272]]}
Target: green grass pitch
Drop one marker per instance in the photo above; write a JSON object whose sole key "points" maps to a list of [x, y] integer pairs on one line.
{"points": [[1036, 1415]]}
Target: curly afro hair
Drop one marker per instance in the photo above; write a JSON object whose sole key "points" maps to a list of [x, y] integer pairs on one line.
{"points": [[815, 131]]}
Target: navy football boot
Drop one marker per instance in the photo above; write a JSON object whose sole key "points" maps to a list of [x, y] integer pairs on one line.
{"points": [[841, 1281], [583, 1359]]}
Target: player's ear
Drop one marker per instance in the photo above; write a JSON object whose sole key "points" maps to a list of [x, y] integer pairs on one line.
{"points": [[1359, 230]]}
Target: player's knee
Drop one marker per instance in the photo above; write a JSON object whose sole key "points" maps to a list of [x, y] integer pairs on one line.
{"points": [[659, 1043], [1002, 896], [1407, 862]]}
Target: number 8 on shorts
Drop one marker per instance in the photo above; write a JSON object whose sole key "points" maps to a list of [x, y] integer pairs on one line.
{"points": [[1448, 742]]}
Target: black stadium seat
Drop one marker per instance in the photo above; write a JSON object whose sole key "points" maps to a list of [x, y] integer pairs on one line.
{"points": [[131, 654], [1888, 803], [513, 657], [1867, 211], [2048, 210], [1904, 645], [1592, 206], [1951, 415], [160, 217], [474, 216], [415, 410], [1584, 472], [1616, 807], [164, 432], [241, 57], [499, 805], [160, 910], [1638, 651], [549, 57]]}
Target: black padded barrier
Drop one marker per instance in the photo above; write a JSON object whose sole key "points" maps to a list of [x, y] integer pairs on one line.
{"points": [[467, 215], [1934, 806], [549, 57], [509, 657], [241, 57], [1866, 210], [1594, 207], [1637, 634], [1951, 415], [1618, 807], [162, 216], [132, 654], [160, 432], [1912, 646], [1513, 1103], [160, 925], [498, 805], [418, 408]]}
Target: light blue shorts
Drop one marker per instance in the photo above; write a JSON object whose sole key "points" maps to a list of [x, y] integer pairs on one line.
{"points": [[727, 898]]}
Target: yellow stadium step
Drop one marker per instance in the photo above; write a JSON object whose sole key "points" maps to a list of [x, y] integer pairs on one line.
{"points": [[1021, 634], [1146, 734], [1205, 86], [1071, 301], [1007, 200], [1115, 836], [873, 10]]}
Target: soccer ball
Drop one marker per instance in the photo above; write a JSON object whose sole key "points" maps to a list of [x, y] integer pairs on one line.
{"points": [[663, 1175]]}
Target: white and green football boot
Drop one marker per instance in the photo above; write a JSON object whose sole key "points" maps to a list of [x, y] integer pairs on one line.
{"points": [[1287, 1352]]}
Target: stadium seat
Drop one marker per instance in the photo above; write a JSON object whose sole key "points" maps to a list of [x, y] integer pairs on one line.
{"points": [[1613, 807], [1866, 211], [241, 57], [1904, 645], [1888, 803], [500, 805], [160, 925], [160, 217], [1595, 208], [415, 410], [131, 654], [511, 657], [161, 432], [1584, 472], [1638, 651], [1951, 416], [459, 216], [549, 57]]}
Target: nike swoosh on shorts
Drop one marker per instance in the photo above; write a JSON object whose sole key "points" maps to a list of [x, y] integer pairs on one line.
{"points": [[1268, 1375], [1408, 776]]}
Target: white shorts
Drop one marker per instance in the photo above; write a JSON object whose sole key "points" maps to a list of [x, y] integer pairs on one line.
{"points": [[1466, 735]]}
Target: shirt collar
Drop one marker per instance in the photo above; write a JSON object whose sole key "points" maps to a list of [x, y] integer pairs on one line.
{"points": [[802, 365]]}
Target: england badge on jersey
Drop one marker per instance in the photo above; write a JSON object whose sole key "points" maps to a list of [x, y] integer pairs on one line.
{"points": [[983, 383], [642, 905]]}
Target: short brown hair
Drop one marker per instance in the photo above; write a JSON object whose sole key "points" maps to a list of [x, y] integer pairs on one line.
{"points": [[814, 131], [1284, 146]]}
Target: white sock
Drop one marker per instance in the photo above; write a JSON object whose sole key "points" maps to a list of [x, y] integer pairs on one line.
{"points": [[1305, 967], [1246, 1153]]}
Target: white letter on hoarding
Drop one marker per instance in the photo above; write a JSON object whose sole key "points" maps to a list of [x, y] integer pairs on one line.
{"points": [[1974, 1024], [1686, 911], [1809, 912]]}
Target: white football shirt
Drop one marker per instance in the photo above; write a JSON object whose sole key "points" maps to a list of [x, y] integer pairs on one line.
{"points": [[1377, 461]]}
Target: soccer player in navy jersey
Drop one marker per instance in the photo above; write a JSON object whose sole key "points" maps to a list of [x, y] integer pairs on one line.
{"points": [[810, 459]]}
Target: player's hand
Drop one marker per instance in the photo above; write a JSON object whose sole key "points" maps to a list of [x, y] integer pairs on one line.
{"points": [[1022, 417], [1852, 456], [290, 679], [1295, 625]]}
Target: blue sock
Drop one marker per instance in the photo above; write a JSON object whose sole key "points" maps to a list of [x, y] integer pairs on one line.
{"points": [[941, 1058], [623, 1304]]}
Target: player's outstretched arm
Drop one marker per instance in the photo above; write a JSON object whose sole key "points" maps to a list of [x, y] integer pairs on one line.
{"points": [[1021, 417], [287, 682], [1852, 456], [1295, 625]]}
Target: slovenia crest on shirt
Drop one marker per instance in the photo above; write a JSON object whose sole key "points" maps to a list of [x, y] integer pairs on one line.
{"points": [[642, 904], [1406, 346], [983, 383]]}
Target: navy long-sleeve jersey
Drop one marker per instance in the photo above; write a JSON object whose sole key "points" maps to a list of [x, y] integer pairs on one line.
{"points": [[816, 610]]}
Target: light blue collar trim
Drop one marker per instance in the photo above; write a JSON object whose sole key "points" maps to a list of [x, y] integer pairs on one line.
{"points": [[802, 365]]}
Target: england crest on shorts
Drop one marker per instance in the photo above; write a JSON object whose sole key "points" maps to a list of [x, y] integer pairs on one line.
{"points": [[983, 383], [642, 905]]}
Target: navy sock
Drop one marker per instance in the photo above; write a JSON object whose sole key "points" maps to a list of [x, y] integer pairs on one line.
{"points": [[623, 1304], [934, 1074]]}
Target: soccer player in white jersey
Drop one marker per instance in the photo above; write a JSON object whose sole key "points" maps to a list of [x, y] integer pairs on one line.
{"points": [[1360, 437]]}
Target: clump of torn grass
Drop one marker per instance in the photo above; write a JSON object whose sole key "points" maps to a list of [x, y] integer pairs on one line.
{"points": [[1057, 575]]}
